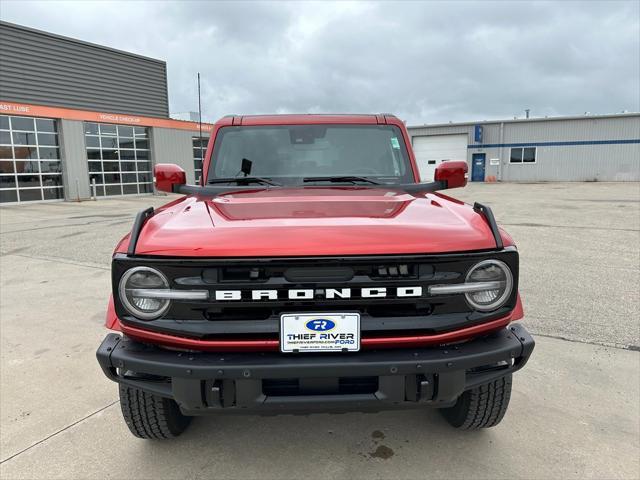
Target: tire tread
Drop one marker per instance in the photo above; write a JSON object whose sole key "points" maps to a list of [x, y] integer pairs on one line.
{"points": [[150, 416], [481, 407]]}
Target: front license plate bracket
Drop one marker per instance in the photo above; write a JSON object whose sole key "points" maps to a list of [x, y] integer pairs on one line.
{"points": [[319, 332]]}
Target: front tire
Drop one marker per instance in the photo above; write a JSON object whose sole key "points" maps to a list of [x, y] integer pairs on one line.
{"points": [[150, 416], [480, 407]]}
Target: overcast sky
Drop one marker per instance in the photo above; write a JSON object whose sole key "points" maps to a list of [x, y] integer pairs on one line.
{"points": [[427, 62]]}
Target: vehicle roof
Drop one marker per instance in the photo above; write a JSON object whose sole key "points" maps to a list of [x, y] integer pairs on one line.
{"points": [[308, 118]]}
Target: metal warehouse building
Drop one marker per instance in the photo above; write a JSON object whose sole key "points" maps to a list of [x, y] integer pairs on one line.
{"points": [[78, 119], [585, 148]]}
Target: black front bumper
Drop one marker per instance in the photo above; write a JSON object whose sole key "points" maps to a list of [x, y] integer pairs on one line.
{"points": [[205, 383]]}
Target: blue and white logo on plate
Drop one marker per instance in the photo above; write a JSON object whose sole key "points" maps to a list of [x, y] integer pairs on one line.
{"points": [[320, 325]]}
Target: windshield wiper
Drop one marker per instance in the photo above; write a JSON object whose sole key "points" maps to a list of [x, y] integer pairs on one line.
{"points": [[245, 181], [345, 178]]}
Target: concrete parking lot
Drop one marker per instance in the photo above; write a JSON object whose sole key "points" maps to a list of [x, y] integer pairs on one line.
{"points": [[575, 410]]}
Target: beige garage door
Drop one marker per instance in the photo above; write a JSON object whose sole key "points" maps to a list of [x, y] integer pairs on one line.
{"points": [[431, 150]]}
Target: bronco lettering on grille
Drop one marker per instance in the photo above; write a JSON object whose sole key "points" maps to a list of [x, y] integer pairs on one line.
{"points": [[310, 293]]}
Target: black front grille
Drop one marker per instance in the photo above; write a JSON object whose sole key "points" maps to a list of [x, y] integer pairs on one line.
{"points": [[319, 276]]}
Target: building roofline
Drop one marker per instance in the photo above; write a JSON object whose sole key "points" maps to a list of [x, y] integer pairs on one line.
{"points": [[526, 120], [79, 42]]}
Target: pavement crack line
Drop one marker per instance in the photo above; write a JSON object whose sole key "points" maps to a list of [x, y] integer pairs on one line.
{"points": [[64, 225], [55, 260], [580, 227], [58, 432], [619, 346]]}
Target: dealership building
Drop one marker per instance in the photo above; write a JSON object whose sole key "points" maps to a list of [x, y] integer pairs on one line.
{"points": [[79, 120]]}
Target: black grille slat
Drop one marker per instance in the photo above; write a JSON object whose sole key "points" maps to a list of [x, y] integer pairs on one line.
{"points": [[288, 387]]}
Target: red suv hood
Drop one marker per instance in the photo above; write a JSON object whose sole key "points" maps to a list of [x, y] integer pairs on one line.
{"points": [[313, 221]]}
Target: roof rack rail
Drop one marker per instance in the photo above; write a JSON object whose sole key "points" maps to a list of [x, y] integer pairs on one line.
{"points": [[491, 220], [138, 223]]}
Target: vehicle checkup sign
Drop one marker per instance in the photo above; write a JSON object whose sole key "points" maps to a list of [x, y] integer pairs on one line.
{"points": [[319, 332]]}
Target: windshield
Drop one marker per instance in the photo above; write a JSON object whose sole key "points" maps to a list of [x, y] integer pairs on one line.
{"points": [[292, 153]]}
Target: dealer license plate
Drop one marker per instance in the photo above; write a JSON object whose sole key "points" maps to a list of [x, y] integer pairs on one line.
{"points": [[320, 332]]}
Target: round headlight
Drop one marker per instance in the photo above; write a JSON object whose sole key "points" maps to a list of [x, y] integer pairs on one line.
{"points": [[135, 296], [496, 280]]}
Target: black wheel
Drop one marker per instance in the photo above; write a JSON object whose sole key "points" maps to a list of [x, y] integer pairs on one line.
{"points": [[480, 407], [151, 416]]}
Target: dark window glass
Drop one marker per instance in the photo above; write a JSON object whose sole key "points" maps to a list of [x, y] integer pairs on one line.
{"points": [[51, 180], [289, 152], [196, 142], [144, 166], [128, 178], [22, 138], [92, 142], [144, 177], [53, 167], [197, 153], [112, 178], [109, 142], [516, 155], [4, 122], [7, 181], [529, 155], [113, 190], [91, 128], [106, 129], [100, 191], [6, 167], [142, 155], [129, 189], [140, 131], [95, 166], [30, 195], [142, 143], [145, 188], [8, 195], [22, 123], [127, 155], [198, 164], [93, 154], [109, 154], [128, 166], [49, 153], [47, 139], [125, 142], [125, 131], [26, 152], [27, 167], [6, 152], [111, 166], [28, 181], [53, 193], [45, 125], [97, 176], [5, 138]]}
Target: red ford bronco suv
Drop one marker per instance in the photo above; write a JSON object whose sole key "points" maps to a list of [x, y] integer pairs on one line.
{"points": [[310, 270]]}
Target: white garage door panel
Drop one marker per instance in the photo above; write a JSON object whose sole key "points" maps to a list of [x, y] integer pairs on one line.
{"points": [[434, 149]]}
